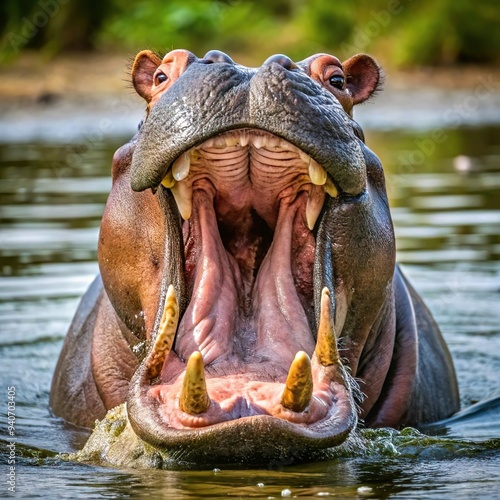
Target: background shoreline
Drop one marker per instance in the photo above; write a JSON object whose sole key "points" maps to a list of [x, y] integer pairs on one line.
{"points": [[89, 96]]}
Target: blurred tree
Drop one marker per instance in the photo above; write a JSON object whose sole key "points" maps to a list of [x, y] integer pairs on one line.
{"points": [[198, 25], [52, 25], [401, 32], [448, 32]]}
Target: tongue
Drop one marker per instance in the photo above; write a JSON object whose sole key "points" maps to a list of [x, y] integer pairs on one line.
{"points": [[282, 327], [221, 321], [212, 314]]}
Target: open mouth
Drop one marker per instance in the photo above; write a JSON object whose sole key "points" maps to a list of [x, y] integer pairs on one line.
{"points": [[255, 341]]}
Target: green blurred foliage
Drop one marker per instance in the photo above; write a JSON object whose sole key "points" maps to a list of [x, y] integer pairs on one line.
{"points": [[198, 25], [51, 25], [399, 32], [451, 31]]}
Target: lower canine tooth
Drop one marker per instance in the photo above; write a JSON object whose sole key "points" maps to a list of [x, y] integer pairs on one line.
{"points": [[183, 195], [180, 168], [299, 384], [194, 398], [326, 344], [166, 333], [317, 173]]}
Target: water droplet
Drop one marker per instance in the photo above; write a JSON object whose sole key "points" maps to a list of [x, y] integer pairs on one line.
{"points": [[365, 491]]}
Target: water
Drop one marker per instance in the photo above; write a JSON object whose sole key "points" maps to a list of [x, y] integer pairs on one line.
{"points": [[446, 208]]}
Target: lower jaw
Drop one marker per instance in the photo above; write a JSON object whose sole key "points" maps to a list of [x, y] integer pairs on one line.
{"points": [[217, 435], [260, 440]]}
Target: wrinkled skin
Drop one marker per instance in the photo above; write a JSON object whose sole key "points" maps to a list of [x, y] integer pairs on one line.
{"points": [[282, 219]]}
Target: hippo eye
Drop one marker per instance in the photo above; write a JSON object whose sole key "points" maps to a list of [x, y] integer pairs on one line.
{"points": [[160, 78], [337, 81]]}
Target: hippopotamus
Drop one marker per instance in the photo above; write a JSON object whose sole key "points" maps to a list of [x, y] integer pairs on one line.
{"points": [[249, 305]]}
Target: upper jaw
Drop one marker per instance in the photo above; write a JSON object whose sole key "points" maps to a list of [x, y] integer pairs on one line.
{"points": [[149, 172], [288, 105], [249, 147]]}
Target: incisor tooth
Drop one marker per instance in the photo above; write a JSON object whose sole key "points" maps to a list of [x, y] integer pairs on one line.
{"points": [[258, 141], [287, 146], [299, 384], [330, 188], [168, 181], [326, 344], [232, 140], [166, 333], [273, 142], [220, 142], [194, 398], [180, 168], [244, 138], [183, 195], [317, 173], [208, 144]]}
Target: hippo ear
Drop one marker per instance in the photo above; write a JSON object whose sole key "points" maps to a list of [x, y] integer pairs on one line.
{"points": [[364, 77], [143, 70]]}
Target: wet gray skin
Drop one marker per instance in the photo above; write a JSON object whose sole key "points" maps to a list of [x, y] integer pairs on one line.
{"points": [[393, 368]]}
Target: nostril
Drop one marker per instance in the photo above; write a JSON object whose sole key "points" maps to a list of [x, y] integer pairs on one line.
{"points": [[282, 60], [216, 56]]}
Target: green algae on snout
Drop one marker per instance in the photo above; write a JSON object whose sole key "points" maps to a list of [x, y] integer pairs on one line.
{"points": [[113, 442]]}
